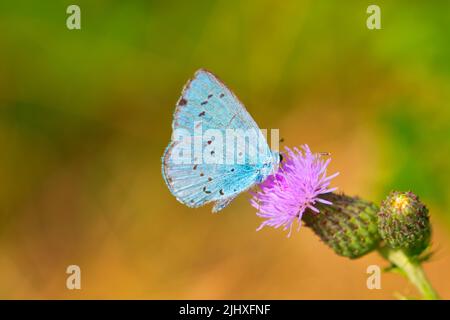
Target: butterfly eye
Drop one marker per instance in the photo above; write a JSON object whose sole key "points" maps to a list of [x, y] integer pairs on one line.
{"points": [[281, 157]]}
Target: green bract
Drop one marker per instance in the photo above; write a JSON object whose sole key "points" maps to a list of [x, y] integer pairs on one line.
{"points": [[348, 226]]}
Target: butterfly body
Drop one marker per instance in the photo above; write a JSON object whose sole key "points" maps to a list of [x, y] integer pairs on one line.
{"points": [[209, 158]]}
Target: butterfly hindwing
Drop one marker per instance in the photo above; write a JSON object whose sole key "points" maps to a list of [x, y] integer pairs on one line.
{"points": [[198, 184]]}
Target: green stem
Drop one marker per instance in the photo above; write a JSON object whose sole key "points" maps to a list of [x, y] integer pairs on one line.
{"points": [[412, 269]]}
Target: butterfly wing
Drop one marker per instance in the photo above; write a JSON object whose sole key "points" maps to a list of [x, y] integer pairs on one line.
{"points": [[206, 100]]}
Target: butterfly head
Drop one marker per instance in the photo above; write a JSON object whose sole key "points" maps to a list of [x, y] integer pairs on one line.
{"points": [[272, 164], [277, 159], [280, 157]]}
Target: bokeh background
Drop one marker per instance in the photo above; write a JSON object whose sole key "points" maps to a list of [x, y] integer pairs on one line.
{"points": [[86, 114]]}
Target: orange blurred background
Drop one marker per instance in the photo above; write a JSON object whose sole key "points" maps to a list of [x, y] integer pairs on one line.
{"points": [[86, 114]]}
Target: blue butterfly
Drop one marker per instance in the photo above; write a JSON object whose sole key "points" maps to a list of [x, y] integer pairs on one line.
{"points": [[197, 180]]}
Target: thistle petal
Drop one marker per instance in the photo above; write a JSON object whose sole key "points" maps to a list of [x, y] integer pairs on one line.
{"points": [[284, 196]]}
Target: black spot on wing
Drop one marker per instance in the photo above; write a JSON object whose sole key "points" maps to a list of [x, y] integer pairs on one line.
{"points": [[206, 191]]}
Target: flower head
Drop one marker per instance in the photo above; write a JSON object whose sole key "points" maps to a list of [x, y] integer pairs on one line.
{"points": [[298, 185], [403, 222]]}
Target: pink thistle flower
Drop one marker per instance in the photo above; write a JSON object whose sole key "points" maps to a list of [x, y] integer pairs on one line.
{"points": [[284, 196]]}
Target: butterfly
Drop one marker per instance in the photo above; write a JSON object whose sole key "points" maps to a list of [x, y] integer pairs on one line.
{"points": [[195, 179]]}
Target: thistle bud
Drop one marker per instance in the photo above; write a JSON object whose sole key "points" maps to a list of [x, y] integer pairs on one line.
{"points": [[403, 222], [348, 225]]}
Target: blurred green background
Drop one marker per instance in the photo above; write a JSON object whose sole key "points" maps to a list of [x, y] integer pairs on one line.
{"points": [[86, 114]]}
